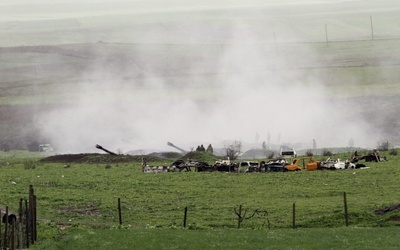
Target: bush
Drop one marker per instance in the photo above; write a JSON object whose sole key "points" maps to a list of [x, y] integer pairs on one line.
{"points": [[29, 164], [309, 152], [393, 151], [383, 146], [234, 150], [326, 152], [270, 155]]}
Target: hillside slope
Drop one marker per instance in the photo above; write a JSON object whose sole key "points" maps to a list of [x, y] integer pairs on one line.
{"points": [[222, 57]]}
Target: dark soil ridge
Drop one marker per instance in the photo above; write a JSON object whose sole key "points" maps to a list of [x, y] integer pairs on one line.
{"points": [[97, 158]]}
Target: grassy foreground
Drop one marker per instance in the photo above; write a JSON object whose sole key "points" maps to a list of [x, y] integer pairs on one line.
{"points": [[77, 205], [327, 238]]}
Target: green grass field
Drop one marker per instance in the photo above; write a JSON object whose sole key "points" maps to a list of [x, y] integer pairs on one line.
{"points": [[327, 238], [81, 200], [52, 60]]}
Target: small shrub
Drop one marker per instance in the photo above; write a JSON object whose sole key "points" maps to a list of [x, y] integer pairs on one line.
{"points": [[234, 150], [29, 164], [309, 152], [326, 152], [383, 146], [270, 155], [393, 151], [108, 166]]}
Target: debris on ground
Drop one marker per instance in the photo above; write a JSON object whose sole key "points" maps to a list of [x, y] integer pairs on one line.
{"points": [[385, 210]]}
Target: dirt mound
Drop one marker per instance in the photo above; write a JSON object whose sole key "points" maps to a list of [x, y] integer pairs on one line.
{"points": [[97, 158], [255, 153]]}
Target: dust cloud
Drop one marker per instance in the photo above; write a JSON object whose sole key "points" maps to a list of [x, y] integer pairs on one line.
{"points": [[241, 87]]}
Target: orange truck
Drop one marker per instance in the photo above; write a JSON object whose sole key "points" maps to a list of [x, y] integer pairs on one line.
{"points": [[304, 163]]}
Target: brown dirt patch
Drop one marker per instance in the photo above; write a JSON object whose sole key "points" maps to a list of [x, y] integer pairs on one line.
{"points": [[88, 210]]}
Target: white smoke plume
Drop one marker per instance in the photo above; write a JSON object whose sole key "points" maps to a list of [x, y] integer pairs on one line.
{"points": [[241, 86]]}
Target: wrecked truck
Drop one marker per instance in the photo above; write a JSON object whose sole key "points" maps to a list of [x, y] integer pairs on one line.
{"points": [[332, 164]]}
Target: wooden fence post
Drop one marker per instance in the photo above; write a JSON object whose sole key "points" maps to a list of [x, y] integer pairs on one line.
{"points": [[5, 240], [185, 216], [294, 216], [240, 215], [1, 237], [31, 216], [326, 35], [12, 234], [346, 214], [372, 28], [34, 219], [119, 211], [20, 233], [27, 222]]}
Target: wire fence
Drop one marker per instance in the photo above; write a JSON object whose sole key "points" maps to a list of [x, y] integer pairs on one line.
{"points": [[19, 230], [239, 216]]}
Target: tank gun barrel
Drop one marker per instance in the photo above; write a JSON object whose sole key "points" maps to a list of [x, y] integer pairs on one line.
{"points": [[172, 145], [105, 150]]}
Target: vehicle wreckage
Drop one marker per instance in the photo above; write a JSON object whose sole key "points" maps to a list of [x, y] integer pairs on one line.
{"points": [[178, 166], [331, 164], [372, 156], [278, 165], [303, 163]]}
